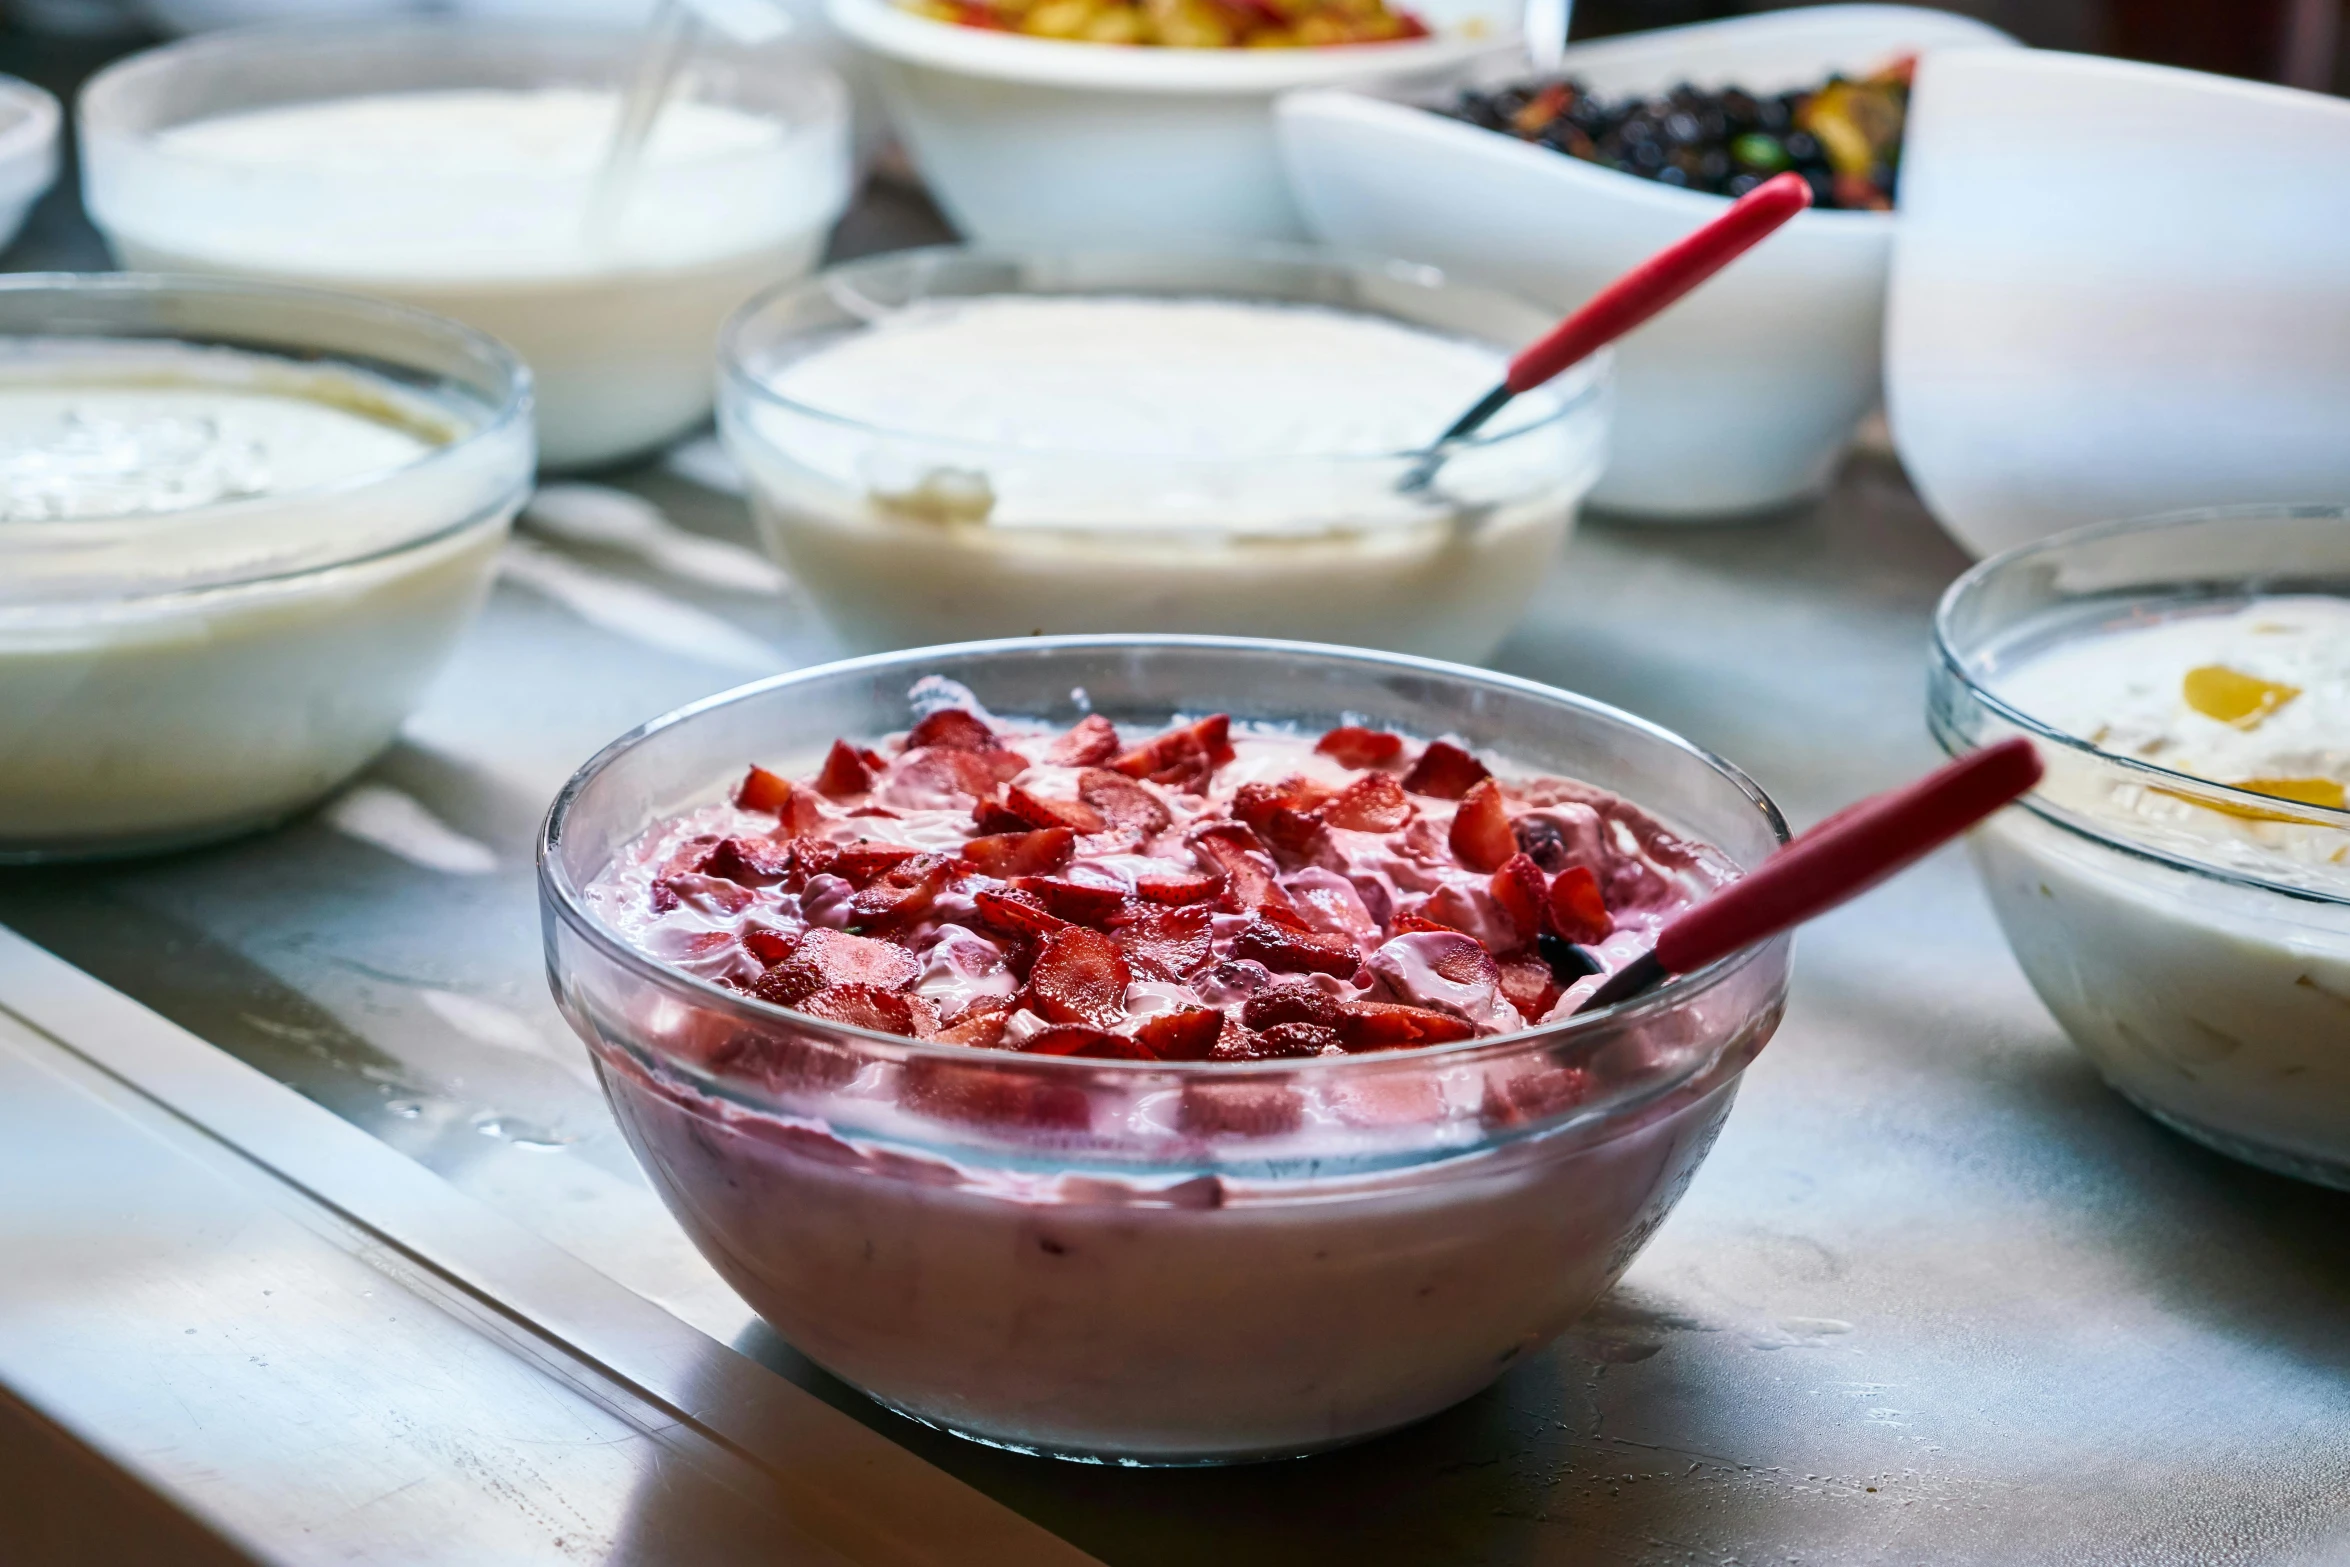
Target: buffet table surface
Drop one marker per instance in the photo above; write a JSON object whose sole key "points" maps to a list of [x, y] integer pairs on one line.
{"points": [[1937, 1295]]}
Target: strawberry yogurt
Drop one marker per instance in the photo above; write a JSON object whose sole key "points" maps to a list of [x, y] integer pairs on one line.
{"points": [[1159, 1167]]}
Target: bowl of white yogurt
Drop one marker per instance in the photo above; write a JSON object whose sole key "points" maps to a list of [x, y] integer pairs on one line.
{"points": [[241, 527], [962, 444], [29, 119], [1080, 1242], [452, 166], [2178, 889]]}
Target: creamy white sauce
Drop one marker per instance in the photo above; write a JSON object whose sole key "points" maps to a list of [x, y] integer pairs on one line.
{"points": [[1149, 377], [546, 130], [2125, 691], [468, 143], [99, 451]]}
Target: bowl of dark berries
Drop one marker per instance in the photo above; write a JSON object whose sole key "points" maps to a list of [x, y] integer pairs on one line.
{"points": [[1743, 398], [1157, 1049]]}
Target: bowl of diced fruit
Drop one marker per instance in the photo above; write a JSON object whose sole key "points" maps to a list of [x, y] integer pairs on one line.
{"points": [[1134, 123], [1743, 398]]}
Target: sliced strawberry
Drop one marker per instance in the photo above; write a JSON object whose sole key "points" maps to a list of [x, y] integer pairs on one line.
{"points": [[1534, 1094], [980, 1031], [1258, 803], [1123, 802], [1374, 802], [810, 857], [1075, 815], [1073, 1039], [1578, 912], [905, 891], [828, 958], [1352, 746], [953, 729], [768, 945], [1465, 961], [1092, 741], [1527, 984], [989, 1095], [1078, 902], [1176, 888], [1382, 1025], [870, 1006], [1212, 1109], [1284, 949], [1519, 888], [762, 790], [1232, 852], [1020, 913], [882, 812], [1080, 976], [860, 862], [1169, 943], [941, 778], [991, 817], [1410, 920], [1444, 772], [749, 862], [1292, 1002], [1288, 1040], [1481, 838], [1188, 1035], [1182, 758], [844, 773], [1005, 855]]}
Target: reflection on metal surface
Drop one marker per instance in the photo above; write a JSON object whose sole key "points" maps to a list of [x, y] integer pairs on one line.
{"points": [[320, 1349]]}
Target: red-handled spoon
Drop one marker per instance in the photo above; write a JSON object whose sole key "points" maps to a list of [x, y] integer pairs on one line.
{"points": [[1635, 297], [1839, 859]]}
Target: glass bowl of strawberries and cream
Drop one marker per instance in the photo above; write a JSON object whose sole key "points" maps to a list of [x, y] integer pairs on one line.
{"points": [[1157, 1049]]}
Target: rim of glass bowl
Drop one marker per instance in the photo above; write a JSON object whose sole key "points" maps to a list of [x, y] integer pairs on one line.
{"points": [[97, 112], [1576, 391], [556, 884], [512, 410], [1954, 665]]}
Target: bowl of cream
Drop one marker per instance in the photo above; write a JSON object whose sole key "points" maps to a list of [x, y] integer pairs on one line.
{"points": [[964, 444], [2178, 889], [241, 527], [454, 167]]}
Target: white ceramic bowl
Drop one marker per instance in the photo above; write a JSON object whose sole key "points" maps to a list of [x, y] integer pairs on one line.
{"points": [[1742, 397], [29, 119], [2083, 328], [1035, 142]]}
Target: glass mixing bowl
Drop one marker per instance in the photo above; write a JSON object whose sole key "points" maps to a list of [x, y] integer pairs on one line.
{"points": [[1149, 1262], [172, 676], [909, 536], [2204, 974]]}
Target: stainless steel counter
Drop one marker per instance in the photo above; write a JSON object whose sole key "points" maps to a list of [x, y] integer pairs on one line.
{"points": [[1937, 1296]]}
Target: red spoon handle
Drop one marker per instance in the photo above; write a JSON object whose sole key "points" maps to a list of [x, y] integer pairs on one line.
{"points": [[1660, 280], [1847, 854]]}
